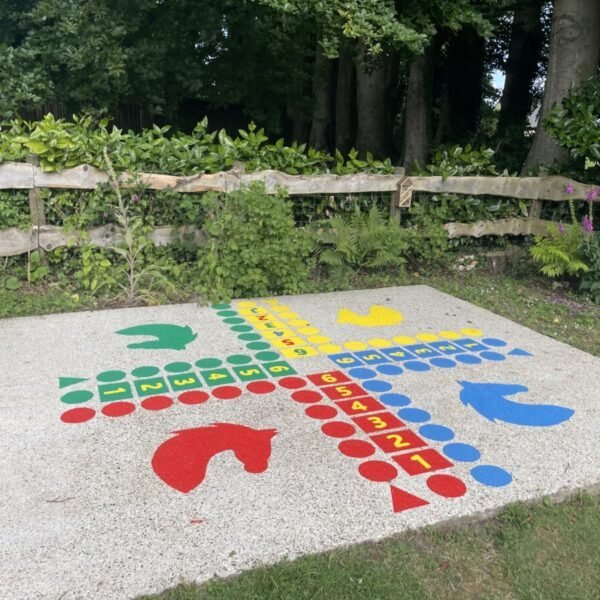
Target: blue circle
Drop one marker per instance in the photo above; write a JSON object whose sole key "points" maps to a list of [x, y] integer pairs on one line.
{"points": [[468, 359], [491, 475], [417, 365], [496, 356], [438, 433], [395, 399], [494, 342], [361, 373], [414, 415], [390, 369], [443, 363], [462, 452], [376, 385]]}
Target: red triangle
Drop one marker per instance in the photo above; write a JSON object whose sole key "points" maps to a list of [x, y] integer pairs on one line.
{"points": [[402, 500]]}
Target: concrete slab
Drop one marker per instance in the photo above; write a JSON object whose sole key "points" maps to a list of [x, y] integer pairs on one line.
{"points": [[305, 423]]}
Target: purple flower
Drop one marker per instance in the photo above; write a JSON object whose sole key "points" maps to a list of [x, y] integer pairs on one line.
{"points": [[561, 228], [569, 189], [592, 195], [135, 198], [587, 223]]}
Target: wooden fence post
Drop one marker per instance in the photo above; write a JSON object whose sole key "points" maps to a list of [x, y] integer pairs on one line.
{"points": [[396, 199], [37, 210]]}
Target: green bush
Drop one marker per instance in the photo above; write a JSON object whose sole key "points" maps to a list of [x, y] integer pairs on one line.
{"points": [[560, 251], [590, 251], [253, 247]]}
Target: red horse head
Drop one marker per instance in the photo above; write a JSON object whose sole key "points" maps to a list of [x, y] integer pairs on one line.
{"points": [[181, 461]]}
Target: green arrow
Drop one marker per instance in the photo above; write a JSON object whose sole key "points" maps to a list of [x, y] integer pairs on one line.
{"points": [[171, 337], [64, 382]]}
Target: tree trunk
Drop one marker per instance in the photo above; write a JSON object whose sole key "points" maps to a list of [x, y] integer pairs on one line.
{"points": [[574, 52], [298, 124], [466, 68], [526, 41], [322, 89], [345, 102], [372, 133], [418, 104]]}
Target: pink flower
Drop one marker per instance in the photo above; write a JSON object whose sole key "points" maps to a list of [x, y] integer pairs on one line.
{"points": [[588, 225], [569, 189], [135, 198], [592, 195], [561, 228]]}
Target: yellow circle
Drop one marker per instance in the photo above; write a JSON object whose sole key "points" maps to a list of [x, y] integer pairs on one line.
{"points": [[472, 332], [246, 304], [280, 308], [380, 343], [319, 339], [450, 335], [272, 301], [356, 346], [289, 315], [308, 330], [404, 339], [330, 348], [427, 337], [299, 323]]}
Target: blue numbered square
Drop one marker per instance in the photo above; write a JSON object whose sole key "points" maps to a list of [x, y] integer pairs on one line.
{"points": [[470, 345], [345, 360], [422, 351], [398, 353], [371, 357], [447, 347]]}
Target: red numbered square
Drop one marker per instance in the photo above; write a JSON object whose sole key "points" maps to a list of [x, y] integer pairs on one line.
{"points": [[358, 406], [379, 422], [398, 441], [328, 378], [341, 392], [423, 461]]}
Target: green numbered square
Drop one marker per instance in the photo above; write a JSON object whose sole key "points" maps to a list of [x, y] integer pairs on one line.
{"points": [[217, 377], [109, 392], [184, 381], [250, 372], [279, 369], [151, 387]]}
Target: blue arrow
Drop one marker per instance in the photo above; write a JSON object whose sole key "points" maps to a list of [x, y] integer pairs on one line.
{"points": [[489, 400]]}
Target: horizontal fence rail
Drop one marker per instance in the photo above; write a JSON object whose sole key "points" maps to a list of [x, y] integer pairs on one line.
{"points": [[29, 176]]}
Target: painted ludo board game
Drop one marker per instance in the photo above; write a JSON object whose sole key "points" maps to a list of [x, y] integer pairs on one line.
{"points": [[145, 447]]}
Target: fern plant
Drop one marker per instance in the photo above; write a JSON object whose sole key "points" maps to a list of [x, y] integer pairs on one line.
{"points": [[560, 252], [361, 241]]}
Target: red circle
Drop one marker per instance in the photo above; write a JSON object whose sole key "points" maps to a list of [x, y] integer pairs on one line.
{"points": [[307, 396], [356, 448], [118, 409], [193, 397], [157, 403], [292, 383], [260, 387], [77, 415], [377, 470], [447, 486], [320, 411], [338, 429], [227, 392]]}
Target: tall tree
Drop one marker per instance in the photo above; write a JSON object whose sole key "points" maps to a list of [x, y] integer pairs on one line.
{"points": [[574, 55]]}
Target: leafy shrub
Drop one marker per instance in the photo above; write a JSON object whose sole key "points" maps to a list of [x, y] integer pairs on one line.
{"points": [[253, 247], [590, 251], [361, 241], [560, 252]]}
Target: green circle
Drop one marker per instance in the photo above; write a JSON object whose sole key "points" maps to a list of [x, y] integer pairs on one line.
{"points": [[250, 337], [178, 367], [227, 313], [209, 363], [258, 346], [234, 321], [221, 306], [110, 376], [145, 371], [267, 356], [77, 396], [239, 359], [242, 328]]}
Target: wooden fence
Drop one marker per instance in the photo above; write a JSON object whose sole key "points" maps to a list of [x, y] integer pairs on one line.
{"points": [[28, 176]]}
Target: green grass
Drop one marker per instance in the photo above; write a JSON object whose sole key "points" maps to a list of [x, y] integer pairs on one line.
{"points": [[529, 552]]}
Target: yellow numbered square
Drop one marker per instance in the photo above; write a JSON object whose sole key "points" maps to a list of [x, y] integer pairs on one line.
{"points": [[289, 342], [268, 325], [277, 334], [298, 352], [262, 318]]}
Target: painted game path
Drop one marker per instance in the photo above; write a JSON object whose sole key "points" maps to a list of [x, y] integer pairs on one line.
{"points": [[144, 447]]}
